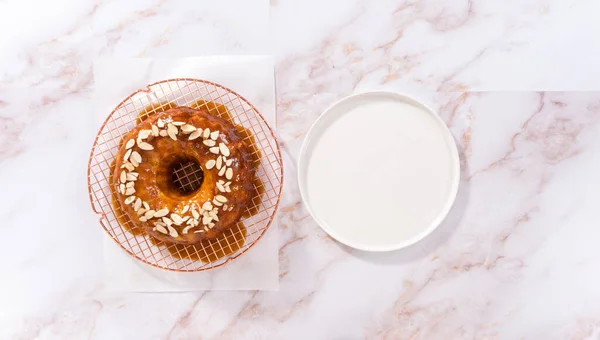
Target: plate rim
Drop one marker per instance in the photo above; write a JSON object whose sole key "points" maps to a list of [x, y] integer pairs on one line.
{"points": [[455, 167]]}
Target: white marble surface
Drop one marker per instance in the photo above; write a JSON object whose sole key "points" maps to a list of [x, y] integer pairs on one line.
{"points": [[517, 258]]}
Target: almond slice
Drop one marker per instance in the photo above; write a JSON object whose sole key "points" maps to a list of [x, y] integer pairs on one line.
{"points": [[229, 173], [176, 219], [195, 134], [222, 171], [167, 221], [123, 176], [154, 131], [185, 209], [163, 133], [143, 134], [160, 123], [210, 164], [224, 149], [172, 231], [209, 142], [130, 143], [207, 206], [138, 204], [130, 191], [219, 162], [187, 128], [131, 177], [221, 198], [214, 150], [145, 146], [206, 133], [161, 229], [186, 229], [214, 135], [146, 205], [143, 219], [162, 212], [127, 154], [178, 123], [129, 199], [136, 157], [150, 214]]}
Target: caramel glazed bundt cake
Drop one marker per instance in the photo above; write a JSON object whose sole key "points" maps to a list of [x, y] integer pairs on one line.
{"points": [[143, 175]]}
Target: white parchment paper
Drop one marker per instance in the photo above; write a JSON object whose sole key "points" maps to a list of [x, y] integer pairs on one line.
{"points": [[250, 76]]}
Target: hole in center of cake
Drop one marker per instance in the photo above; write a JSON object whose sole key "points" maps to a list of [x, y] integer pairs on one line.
{"points": [[186, 176]]}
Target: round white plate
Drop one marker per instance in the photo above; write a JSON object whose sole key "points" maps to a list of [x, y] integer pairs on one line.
{"points": [[379, 171]]}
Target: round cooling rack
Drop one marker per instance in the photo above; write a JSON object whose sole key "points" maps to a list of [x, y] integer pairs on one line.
{"points": [[155, 98]]}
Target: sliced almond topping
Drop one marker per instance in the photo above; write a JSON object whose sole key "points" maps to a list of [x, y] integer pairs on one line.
{"points": [[206, 133], [131, 177], [187, 128], [143, 219], [186, 229], [227, 189], [219, 162], [130, 143], [214, 150], [161, 229], [224, 149], [206, 220], [228, 162], [172, 131], [154, 131], [146, 205], [220, 187], [198, 231], [136, 157], [134, 174], [163, 133], [210, 164], [150, 214], [138, 204], [176, 219], [127, 154], [205, 228], [178, 123], [207, 206], [160, 123], [140, 211], [122, 188], [217, 203], [123, 176], [130, 191], [185, 209], [145, 146], [195, 214], [222, 171], [211, 225], [229, 173], [214, 135], [209, 142], [221, 198], [144, 134], [224, 206], [172, 231], [162, 212], [167, 220], [129, 199], [185, 218], [195, 134], [216, 218], [129, 185]]}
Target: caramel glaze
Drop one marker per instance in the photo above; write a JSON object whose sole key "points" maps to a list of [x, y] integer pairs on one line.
{"points": [[229, 241]]}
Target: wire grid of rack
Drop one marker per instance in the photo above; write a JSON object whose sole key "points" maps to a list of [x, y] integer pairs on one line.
{"points": [[184, 92]]}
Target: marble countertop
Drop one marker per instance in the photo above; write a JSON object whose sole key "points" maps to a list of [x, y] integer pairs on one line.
{"points": [[516, 259]]}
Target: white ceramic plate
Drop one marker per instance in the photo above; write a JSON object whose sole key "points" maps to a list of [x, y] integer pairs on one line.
{"points": [[379, 171]]}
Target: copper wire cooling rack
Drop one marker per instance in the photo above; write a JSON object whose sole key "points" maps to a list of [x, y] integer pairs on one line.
{"points": [[183, 92]]}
